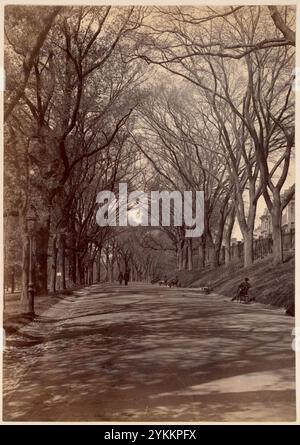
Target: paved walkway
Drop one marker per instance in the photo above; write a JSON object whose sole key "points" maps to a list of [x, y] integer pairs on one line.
{"points": [[149, 353]]}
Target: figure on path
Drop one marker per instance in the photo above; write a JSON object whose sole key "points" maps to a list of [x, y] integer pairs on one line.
{"points": [[242, 292], [120, 277], [174, 282], [126, 277]]}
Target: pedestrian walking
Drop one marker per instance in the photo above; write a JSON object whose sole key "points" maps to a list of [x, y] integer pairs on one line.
{"points": [[120, 278], [126, 277]]}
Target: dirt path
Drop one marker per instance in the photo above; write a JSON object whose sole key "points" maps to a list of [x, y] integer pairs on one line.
{"points": [[146, 353]]}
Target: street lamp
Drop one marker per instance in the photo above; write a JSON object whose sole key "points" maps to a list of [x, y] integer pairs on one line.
{"points": [[31, 221]]}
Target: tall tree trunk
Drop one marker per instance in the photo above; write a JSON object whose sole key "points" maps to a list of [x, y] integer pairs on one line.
{"points": [[81, 271], [227, 235], [202, 252], [247, 229], [107, 267], [98, 279], [216, 256], [227, 243], [190, 253], [184, 256], [63, 264], [91, 272], [72, 267], [25, 274], [247, 220], [217, 249], [248, 248], [220, 231], [180, 255], [210, 247], [71, 243], [41, 256], [78, 269], [111, 273], [86, 273], [277, 235], [53, 265], [62, 261]]}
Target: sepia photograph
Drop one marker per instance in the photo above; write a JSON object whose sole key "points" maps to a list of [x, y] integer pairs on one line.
{"points": [[149, 212]]}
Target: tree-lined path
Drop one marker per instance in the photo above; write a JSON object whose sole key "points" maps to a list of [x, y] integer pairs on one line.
{"points": [[149, 353]]}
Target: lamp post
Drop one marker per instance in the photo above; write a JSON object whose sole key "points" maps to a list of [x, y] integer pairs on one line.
{"points": [[31, 221]]}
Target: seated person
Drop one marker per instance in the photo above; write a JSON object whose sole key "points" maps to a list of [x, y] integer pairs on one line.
{"points": [[242, 292]]}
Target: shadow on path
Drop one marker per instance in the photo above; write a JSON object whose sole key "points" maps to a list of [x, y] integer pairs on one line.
{"points": [[145, 353]]}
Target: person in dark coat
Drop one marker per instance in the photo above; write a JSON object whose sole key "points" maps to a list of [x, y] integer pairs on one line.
{"points": [[242, 292], [120, 277], [126, 277]]}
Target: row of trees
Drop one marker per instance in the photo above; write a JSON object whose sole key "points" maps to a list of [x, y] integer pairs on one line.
{"points": [[66, 134], [231, 130], [161, 98]]}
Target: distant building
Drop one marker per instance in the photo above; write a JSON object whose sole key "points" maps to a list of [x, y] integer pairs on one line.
{"points": [[288, 221], [266, 224], [257, 232]]}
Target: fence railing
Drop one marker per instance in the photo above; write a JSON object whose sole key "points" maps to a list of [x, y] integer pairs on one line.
{"points": [[262, 247]]}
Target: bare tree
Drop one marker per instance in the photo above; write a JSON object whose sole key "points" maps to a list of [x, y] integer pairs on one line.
{"points": [[264, 80]]}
